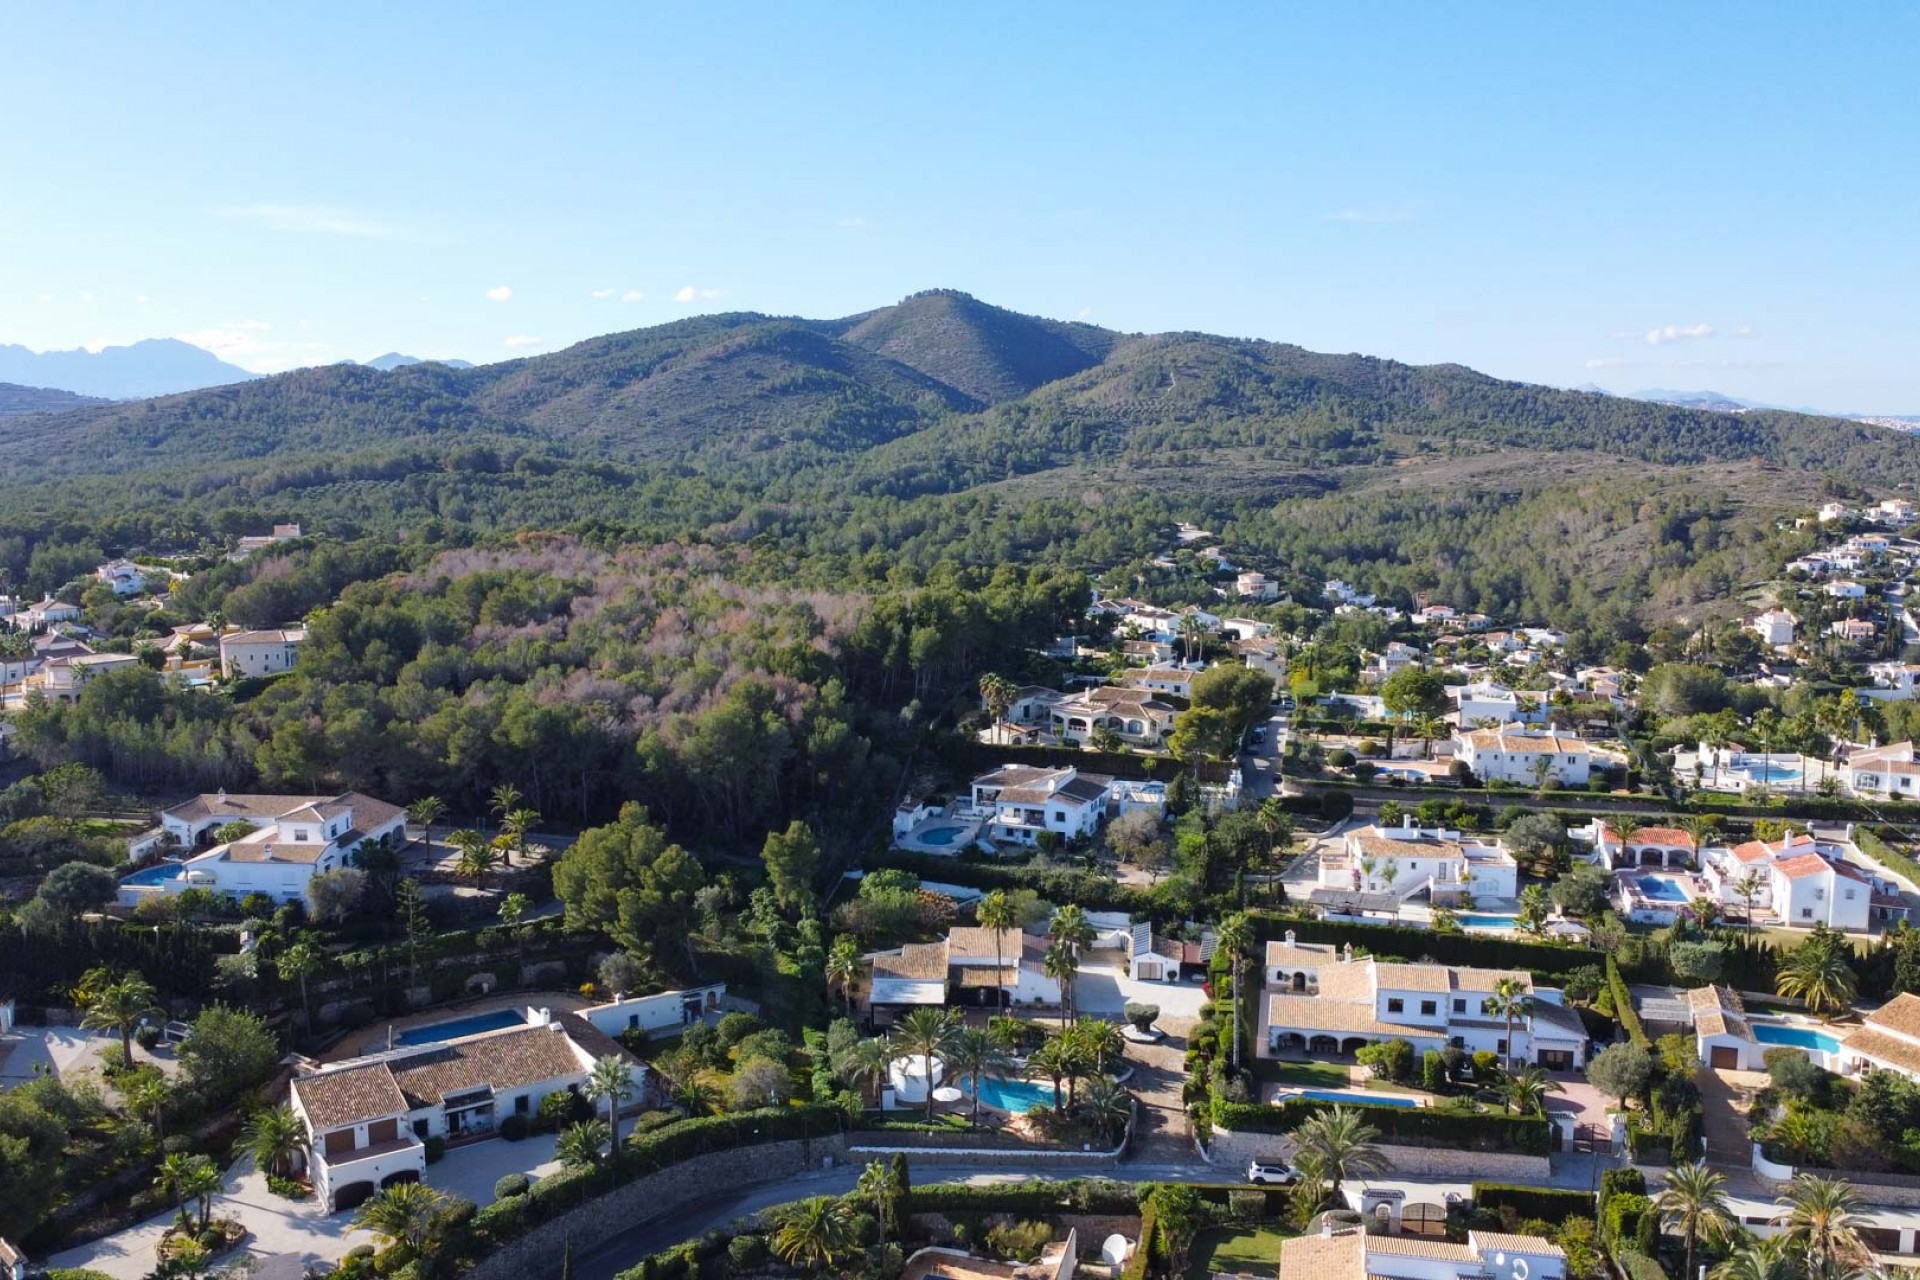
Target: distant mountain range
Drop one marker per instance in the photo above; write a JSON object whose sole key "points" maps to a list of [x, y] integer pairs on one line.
{"points": [[394, 360], [153, 367], [1716, 402]]}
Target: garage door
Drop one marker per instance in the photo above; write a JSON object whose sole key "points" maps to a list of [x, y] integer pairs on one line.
{"points": [[1725, 1055]]}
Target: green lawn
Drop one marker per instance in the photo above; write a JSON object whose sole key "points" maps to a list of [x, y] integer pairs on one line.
{"points": [[1232, 1249], [1311, 1075]]}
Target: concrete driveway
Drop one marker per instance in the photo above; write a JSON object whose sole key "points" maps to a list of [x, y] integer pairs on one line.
{"points": [[1103, 990]]}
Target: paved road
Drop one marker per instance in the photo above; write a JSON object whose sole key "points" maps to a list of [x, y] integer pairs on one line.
{"points": [[1260, 767]]}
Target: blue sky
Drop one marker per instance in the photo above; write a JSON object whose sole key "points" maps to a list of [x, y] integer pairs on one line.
{"points": [[1720, 196]]}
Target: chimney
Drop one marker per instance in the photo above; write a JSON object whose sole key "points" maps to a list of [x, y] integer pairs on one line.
{"points": [[1289, 937], [1326, 1225], [1346, 954]]}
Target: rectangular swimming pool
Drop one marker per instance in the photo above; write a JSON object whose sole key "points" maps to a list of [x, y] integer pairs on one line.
{"points": [[1661, 890], [159, 873], [1476, 921], [1367, 1099], [1798, 1037], [1014, 1095], [471, 1025]]}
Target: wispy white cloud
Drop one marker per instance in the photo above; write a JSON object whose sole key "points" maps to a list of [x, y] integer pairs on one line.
{"points": [[1746, 331], [1677, 333], [500, 293], [601, 293], [524, 340], [1368, 215], [852, 222], [633, 295], [245, 343], [316, 219], [687, 293]]}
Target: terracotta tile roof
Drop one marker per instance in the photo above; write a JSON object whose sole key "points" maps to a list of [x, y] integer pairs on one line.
{"points": [[1881, 1047], [503, 1059], [1420, 1247], [1673, 837], [1412, 977], [1324, 1257], [238, 806], [1312, 1013], [1900, 1015], [335, 1098], [1485, 1242], [1801, 865], [1488, 979], [975, 942], [1753, 851], [923, 960], [1383, 847], [1535, 743], [970, 977], [1306, 955], [1347, 982]]}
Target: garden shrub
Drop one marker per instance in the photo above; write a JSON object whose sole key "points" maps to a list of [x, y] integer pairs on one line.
{"points": [[512, 1184], [514, 1128], [1533, 1202]]}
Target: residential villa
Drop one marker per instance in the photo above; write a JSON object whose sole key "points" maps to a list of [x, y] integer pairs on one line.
{"points": [[294, 838], [1800, 882], [1025, 800], [1888, 1038], [1892, 680], [1774, 627], [1353, 1253], [961, 969], [1264, 654], [1177, 681], [367, 1118], [1323, 1002], [1488, 701], [62, 679], [49, 611], [1514, 753], [1883, 773], [1853, 629], [1664, 847], [123, 576], [1408, 860], [1254, 585], [260, 653], [1133, 715], [255, 542]]}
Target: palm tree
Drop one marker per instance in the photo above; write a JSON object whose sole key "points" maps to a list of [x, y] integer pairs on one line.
{"points": [[1052, 1061], [1694, 1202], [477, 855], [275, 1138], [1748, 887], [503, 800], [296, 964], [926, 1033], [1820, 976], [1107, 1105], [120, 1006], [147, 1092], [868, 1065], [516, 826], [1757, 1258], [1527, 1091], [813, 1233], [1060, 964], [1340, 1143], [880, 1183], [1236, 935], [579, 1145], [611, 1079], [407, 1213], [996, 912], [1104, 1042], [1429, 727], [1510, 1000], [177, 1173], [998, 693], [975, 1053], [1820, 1217], [843, 967], [1070, 924], [695, 1098], [424, 812]]}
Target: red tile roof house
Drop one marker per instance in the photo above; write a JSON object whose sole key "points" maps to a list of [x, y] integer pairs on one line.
{"points": [[367, 1119]]}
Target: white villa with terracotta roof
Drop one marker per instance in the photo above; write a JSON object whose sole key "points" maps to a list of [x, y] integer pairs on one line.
{"points": [[1801, 882], [1407, 860], [1515, 753], [367, 1118], [1323, 1002], [260, 653], [1025, 800], [294, 838], [931, 973], [1883, 773], [1665, 847], [1356, 1254]]}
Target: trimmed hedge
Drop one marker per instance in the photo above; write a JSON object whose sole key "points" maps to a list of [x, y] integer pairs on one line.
{"points": [[1621, 1224], [1533, 1202], [1638, 1266], [1407, 1126], [1871, 844], [1095, 892], [1148, 1249], [1623, 1007], [1031, 1199]]}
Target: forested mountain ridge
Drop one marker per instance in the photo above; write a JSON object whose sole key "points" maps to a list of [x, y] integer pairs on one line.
{"points": [[15, 398]]}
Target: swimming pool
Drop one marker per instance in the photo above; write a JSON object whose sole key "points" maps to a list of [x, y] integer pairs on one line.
{"points": [[471, 1025], [1367, 1099], [1014, 1095], [159, 873], [939, 836], [1771, 773], [1475, 921], [1661, 890], [1798, 1037]]}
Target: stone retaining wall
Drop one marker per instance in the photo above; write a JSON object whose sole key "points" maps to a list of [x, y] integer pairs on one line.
{"points": [[1230, 1151], [536, 1255]]}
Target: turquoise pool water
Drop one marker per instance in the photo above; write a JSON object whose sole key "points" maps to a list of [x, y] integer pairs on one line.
{"points": [[1370, 1099], [1475, 921], [1661, 890], [1798, 1037], [160, 873], [472, 1025], [1772, 773], [1015, 1095], [939, 836]]}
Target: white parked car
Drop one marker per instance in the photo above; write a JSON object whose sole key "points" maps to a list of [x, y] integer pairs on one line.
{"points": [[1276, 1175]]}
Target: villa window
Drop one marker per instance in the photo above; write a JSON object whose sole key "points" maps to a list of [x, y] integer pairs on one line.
{"points": [[1395, 1004], [300, 835], [1849, 895], [1806, 913], [1459, 1006], [1486, 1008], [521, 1104], [1500, 1046], [1428, 1008]]}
